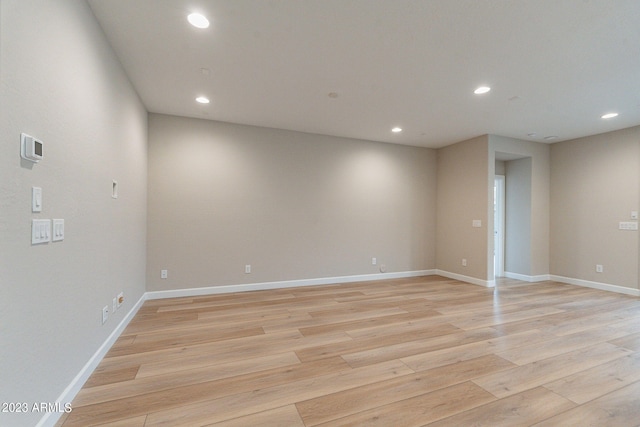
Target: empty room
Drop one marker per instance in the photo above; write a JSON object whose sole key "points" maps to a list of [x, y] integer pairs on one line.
{"points": [[319, 213]]}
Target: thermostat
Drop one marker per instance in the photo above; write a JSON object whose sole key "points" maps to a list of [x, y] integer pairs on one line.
{"points": [[30, 148]]}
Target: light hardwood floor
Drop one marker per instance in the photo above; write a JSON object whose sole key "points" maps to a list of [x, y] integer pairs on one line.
{"points": [[408, 352]]}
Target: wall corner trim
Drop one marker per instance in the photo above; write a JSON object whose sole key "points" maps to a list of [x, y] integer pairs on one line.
{"points": [[51, 418], [463, 278], [596, 285]]}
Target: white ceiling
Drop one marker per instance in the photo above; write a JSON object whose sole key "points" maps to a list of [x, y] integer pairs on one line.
{"points": [[554, 66]]}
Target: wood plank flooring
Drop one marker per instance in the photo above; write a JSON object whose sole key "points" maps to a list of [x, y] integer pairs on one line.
{"points": [[407, 352]]}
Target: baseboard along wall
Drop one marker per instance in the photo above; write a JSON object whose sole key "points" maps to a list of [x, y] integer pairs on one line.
{"points": [[50, 419]]}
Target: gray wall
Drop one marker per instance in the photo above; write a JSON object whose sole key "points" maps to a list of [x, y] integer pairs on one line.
{"points": [[292, 205], [596, 184], [463, 196], [61, 82]]}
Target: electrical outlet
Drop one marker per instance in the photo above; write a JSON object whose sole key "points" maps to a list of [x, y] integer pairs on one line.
{"points": [[374, 261], [247, 269], [114, 305], [464, 262], [105, 314], [599, 268], [164, 274], [120, 299]]}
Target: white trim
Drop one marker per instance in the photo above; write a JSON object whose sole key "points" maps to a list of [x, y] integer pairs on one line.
{"points": [[500, 218], [463, 278], [209, 290], [526, 278], [51, 418], [596, 285]]}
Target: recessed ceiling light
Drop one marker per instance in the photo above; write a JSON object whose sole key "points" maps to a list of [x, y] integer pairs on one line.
{"points": [[396, 129], [198, 20], [609, 115], [481, 90], [202, 100], [550, 137]]}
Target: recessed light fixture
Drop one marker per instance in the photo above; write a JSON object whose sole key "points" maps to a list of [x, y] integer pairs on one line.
{"points": [[609, 115], [198, 20], [481, 90], [396, 130], [202, 100], [550, 137]]}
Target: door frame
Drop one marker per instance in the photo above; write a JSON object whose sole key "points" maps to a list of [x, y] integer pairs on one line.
{"points": [[499, 225]]}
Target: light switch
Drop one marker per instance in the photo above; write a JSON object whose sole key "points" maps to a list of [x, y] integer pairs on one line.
{"points": [[634, 214], [476, 223], [58, 230], [36, 199], [40, 231], [628, 225]]}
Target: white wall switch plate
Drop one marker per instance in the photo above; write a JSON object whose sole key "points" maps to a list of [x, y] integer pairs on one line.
{"points": [[105, 314], [247, 269], [36, 199], [58, 230], [477, 223], [628, 225], [40, 231]]}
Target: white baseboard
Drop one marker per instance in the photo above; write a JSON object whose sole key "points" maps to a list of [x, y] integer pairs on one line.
{"points": [[526, 278], [210, 290], [596, 285], [463, 278], [51, 418]]}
